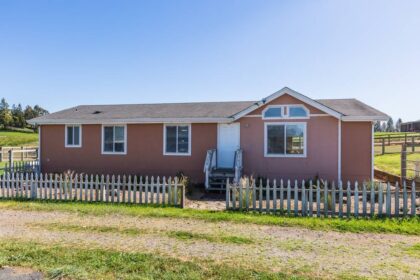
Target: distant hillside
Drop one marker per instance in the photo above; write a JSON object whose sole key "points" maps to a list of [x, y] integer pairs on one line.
{"points": [[12, 137]]}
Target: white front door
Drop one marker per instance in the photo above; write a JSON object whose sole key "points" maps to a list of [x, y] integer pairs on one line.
{"points": [[228, 141]]}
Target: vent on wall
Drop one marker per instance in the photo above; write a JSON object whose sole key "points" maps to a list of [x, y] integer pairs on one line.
{"points": [[96, 112]]}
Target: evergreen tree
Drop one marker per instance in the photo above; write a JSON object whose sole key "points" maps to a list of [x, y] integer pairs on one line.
{"points": [[6, 118], [39, 111], [377, 127], [398, 125], [383, 127], [18, 116], [390, 125]]}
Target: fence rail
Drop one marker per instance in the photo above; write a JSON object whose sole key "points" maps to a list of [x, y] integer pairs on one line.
{"points": [[114, 189], [323, 199]]}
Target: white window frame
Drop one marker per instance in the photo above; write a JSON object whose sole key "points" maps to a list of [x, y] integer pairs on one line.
{"points": [[285, 113], [305, 140], [189, 140], [103, 139], [273, 118], [67, 145]]}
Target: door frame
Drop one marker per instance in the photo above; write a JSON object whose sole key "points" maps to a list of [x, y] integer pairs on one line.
{"points": [[218, 137]]}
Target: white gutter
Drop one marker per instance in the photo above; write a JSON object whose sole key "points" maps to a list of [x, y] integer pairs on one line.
{"points": [[130, 121], [339, 150]]}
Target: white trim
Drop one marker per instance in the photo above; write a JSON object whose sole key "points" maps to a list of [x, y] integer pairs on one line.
{"points": [[285, 113], [292, 93], [305, 140], [319, 115], [283, 116], [364, 118], [103, 135], [66, 145], [132, 121], [253, 116], [189, 139], [339, 150], [372, 175]]}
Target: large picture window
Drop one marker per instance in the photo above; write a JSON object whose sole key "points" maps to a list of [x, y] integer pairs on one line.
{"points": [[73, 136], [114, 139], [285, 139], [177, 140]]}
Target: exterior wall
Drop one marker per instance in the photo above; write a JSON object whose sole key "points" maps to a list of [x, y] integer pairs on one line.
{"points": [[322, 146], [356, 151], [410, 127], [144, 152]]}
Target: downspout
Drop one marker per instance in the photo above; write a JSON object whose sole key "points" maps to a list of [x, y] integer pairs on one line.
{"points": [[372, 175], [339, 150], [39, 149]]}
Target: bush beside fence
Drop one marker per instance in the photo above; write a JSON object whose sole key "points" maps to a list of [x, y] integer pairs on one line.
{"points": [[323, 199], [113, 189]]}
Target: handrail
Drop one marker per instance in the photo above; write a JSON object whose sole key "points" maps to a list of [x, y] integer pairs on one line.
{"points": [[209, 163], [238, 165]]}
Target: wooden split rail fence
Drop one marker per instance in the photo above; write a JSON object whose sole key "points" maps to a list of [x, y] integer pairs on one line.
{"points": [[323, 199], [113, 189]]}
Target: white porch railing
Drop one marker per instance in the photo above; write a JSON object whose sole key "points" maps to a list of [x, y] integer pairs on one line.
{"points": [[238, 165], [209, 164]]}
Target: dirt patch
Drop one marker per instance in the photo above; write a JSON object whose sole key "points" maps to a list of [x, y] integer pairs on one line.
{"points": [[19, 273]]}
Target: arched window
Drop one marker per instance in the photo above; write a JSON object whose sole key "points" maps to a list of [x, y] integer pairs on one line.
{"points": [[298, 112], [273, 113]]}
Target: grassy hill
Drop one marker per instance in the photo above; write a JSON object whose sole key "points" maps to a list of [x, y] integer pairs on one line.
{"points": [[18, 138]]}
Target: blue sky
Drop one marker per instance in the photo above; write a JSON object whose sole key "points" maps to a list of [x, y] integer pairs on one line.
{"points": [[63, 53]]}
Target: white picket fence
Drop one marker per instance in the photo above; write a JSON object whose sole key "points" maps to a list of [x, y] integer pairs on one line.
{"points": [[113, 189], [323, 198], [21, 167]]}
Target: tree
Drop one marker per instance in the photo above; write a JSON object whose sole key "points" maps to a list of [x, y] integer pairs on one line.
{"points": [[377, 127], [398, 125], [18, 116], [5, 114], [29, 113], [39, 111], [390, 125], [383, 127]]}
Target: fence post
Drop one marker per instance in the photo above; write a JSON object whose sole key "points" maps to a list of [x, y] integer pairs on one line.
{"points": [[403, 162], [413, 198], [182, 196], [10, 159], [383, 146], [413, 144], [21, 154]]}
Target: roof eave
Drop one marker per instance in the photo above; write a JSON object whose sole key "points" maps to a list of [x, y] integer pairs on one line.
{"points": [[364, 118], [129, 121]]}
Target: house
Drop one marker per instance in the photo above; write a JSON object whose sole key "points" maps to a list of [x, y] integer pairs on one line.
{"points": [[285, 135], [410, 126]]}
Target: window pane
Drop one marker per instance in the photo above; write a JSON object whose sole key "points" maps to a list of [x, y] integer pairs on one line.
{"points": [[69, 135], [76, 131], [108, 134], [295, 111], [275, 139], [183, 139], [294, 139], [273, 113], [171, 139], [108, 147], [119, 147], [119, 133]]}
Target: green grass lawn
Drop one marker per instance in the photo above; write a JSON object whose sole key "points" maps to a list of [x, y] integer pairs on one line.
{"points": [[400, 226], [391, 163], [67, 262], [18, 138]]}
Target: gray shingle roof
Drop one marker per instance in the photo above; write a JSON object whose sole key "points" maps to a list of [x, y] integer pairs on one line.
{"points": [[350, 107], [201, 111]]}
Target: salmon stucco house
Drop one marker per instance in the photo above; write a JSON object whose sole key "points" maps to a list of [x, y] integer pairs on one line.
{"points": [[285, 135]]}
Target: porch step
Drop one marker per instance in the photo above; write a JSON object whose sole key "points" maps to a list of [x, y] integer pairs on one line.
{"points": [[219, 177]]}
